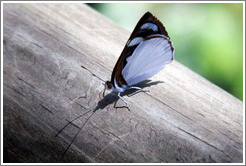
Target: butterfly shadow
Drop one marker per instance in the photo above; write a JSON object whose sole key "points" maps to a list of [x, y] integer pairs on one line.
{"points": [[108, 99], [112, 97], [144, 84]]}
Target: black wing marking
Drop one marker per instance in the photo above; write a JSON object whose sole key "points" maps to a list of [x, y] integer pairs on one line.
{"points": [[148, 25]]}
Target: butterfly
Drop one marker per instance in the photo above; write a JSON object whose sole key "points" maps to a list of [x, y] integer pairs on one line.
{"points": [[147, 51]]}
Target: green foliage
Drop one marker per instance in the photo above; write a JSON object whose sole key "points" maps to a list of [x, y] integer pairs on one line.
{"points": [[208, 37]]}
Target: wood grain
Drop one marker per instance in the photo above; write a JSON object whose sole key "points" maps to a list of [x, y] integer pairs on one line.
{"points": [[184, 117]]}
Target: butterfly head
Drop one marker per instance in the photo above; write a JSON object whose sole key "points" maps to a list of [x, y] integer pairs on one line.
{"points": [[108, 85]]}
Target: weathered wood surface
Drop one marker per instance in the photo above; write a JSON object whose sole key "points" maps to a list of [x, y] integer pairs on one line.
{"points": [[184, 118]]}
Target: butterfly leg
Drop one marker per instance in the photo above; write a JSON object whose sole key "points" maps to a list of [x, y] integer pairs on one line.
{"points": [[138, 88], [123, 101]]}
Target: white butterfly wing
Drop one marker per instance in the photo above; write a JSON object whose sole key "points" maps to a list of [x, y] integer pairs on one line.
{"points": [[148, 59]]}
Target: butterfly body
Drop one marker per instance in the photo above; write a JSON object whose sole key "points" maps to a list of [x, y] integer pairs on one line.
{"points": [[146, 52], [115, 87]]}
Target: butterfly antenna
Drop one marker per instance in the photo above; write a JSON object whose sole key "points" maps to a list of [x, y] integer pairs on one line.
{"points": [[92, 73]]}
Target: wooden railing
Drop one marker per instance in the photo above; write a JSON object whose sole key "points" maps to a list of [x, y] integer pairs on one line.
{"points": [[184, 117]]}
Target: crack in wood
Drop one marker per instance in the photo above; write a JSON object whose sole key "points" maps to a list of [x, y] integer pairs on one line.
{"points": [[83, 97], [169, 106], [45, 108], [81, 105], [204, 142], [37, 45], [150, 133], [20, 93], [201, 114], [26, 82]]}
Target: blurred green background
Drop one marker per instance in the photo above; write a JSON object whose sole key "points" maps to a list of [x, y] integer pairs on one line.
{"points": [[208, 37]]}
